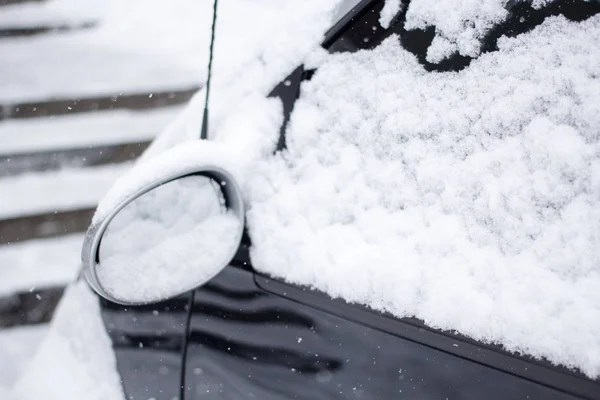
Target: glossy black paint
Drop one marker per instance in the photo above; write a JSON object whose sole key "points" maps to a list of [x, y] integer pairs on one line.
{"points": [[149, 343], [414, 330], [245, 336], [248, 343]]}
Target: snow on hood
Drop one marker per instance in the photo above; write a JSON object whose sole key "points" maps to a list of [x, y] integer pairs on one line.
{"points": [[467, 199]]}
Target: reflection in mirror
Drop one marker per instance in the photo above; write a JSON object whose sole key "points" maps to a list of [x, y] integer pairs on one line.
{"points": [[167, 241]]}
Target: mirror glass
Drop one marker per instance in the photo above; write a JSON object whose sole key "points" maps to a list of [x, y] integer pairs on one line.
{"points": [[171, 239]]}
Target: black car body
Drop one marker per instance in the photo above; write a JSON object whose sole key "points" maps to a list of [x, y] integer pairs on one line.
{"points": [[247, 336]]}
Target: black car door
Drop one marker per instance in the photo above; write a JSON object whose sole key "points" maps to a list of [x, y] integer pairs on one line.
{"points": [[252, 337]]}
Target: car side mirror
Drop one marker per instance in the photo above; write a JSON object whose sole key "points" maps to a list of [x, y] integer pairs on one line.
{"points": [[166, 235]]}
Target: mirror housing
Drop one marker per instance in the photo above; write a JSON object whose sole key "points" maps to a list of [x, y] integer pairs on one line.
{"points": [[196, 158]]}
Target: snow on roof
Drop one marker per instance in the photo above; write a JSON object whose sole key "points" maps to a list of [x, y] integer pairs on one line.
{"points": [[469, 200]]}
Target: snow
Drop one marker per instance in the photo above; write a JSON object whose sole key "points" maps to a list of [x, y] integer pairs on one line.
{"points": [[39, 263], [62, 190], [75, 360], [17, 347], [138, 45], [148, 45], [388, 12], [152, 251], [428, 194], [51, 12], [466, 199], [83, 130], [131, 51], [186, 157], [460, 25]]}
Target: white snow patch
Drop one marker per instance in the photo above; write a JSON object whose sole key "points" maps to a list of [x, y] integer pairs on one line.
{"points": [[461, 23], [17, 347], [469, 200], [39, 263], [143, 45], [440, 49], [182, 158], [168, 241], [388, 12], [75, 360]]}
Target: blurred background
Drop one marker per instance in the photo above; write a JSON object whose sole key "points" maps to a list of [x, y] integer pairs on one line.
{"points": [[85, 85]]}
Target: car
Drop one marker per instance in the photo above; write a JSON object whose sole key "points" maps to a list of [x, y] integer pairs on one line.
{"points": [[246, 335]]}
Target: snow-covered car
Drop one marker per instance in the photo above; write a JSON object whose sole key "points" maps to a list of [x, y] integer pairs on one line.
{"points": [[429, 228]]}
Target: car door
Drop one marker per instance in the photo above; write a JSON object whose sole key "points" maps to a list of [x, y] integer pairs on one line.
{"points": [[252, 337]]}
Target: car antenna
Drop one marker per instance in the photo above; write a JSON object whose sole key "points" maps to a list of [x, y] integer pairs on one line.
{"points": [[204, 131]]}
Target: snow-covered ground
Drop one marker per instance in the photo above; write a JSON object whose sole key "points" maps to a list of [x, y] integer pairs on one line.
{"points": [[17, 347], [137, 45]]}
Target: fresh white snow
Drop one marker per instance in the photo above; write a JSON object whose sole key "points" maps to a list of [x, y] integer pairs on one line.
{"points": [[184, 158], [83, 130], [75, 359], [39, 263], [460, 25], [389, 11], [17, 347], [137, 45], [427, 194], [148, 45], [469, 200], [168, 241], [62, 190], [145, 45]]}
